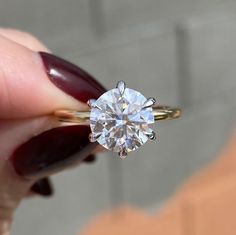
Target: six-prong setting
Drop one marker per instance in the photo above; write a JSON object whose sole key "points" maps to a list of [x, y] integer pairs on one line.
{"points": [[123, 152], [120, 119], [91, 103], [149, 102], [151, 135], [121, 87], [93, 137]]}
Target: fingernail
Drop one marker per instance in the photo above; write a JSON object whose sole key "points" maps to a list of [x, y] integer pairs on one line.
{"points": [[90, 159], [43, 187], [52, 151], [71, 79], [60, 147]]}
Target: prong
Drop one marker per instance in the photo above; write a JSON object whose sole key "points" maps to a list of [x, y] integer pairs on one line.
{"points": [[152, 135], [93, 137], [149, 102], [123, 153], [92, 103], [121, 87]]}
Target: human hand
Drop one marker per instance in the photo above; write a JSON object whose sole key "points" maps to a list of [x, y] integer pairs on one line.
{"points": [[33, 145]]}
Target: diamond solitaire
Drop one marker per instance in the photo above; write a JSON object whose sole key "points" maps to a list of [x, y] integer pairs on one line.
{"points": [[120, 119]]}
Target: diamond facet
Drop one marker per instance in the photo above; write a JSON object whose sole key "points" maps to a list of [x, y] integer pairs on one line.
{"points": [[121, 121]]}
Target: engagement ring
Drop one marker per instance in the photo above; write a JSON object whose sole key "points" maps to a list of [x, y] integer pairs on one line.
{"points": [[120, 119]]}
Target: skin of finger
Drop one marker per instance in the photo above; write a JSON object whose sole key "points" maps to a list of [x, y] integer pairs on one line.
{"points": [[15, 63], [28, 40], [13, 187], [10, 197], [25, 90], [23, 38]]}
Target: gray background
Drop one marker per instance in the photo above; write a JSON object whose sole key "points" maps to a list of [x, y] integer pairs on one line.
{"points": [[183, 52]]}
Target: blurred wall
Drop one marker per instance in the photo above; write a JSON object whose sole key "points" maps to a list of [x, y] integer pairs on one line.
{"points": [[181, 52]]}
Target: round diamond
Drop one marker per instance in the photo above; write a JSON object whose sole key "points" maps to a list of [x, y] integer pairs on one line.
{"points": [[120, 122]]}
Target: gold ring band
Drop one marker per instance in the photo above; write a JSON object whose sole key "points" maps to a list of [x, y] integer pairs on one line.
{"points": [[119, 119], [83, 117]]}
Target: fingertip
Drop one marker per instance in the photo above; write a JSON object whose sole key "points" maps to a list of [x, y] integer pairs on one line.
{"points": [[25, 88]]}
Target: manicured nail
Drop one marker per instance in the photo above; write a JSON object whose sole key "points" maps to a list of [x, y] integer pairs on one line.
{"points": [[43, 187], [52, 151], [71, 79], [90, 159], [60, 147]]}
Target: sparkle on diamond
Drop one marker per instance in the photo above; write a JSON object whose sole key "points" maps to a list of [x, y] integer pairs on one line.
{"points": [[119, 121]]}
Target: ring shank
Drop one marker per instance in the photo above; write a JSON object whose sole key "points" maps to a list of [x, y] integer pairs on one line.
{"points": [[166, 113], [83, 117]]}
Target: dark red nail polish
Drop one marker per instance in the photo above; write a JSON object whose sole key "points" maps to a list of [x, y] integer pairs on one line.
{"points": [[52, 151], [43, 187], [61, 147], [90, 159], [71, 79]]}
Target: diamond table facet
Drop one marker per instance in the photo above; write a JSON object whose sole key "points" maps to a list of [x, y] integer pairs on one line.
{"points": [[120, 121]]}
